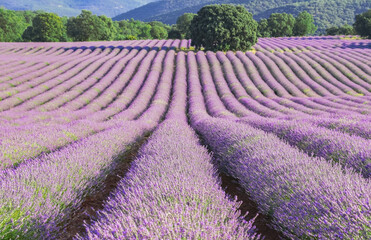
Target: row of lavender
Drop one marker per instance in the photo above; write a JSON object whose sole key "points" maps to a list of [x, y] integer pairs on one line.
{"points": [[306, 197], [42, 202], [298, 202], [149, 92], [40, 195], [264, 106], [134, 86], [273, 80], [275, 75], [172, 190]]}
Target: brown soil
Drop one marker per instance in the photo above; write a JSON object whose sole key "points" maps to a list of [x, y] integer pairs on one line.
{"points": [[233, 188], [94, 202]]}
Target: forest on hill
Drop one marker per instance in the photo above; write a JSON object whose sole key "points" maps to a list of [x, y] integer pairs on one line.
{"points": [[70, 8], [326, 13]]}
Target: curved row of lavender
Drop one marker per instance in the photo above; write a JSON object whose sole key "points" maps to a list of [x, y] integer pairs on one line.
{"points": [[44, 198], [15, 148], [40, 195], [287, 185], [350, 151], [49, 89], [309, 103], [171, 190], [305, 197]]}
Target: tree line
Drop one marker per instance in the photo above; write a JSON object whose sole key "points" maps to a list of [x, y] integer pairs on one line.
{"points": [[39, 26], [280, 25]]}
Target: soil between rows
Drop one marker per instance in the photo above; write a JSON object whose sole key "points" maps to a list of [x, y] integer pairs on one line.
{"points": [[233, 188], [87, 212]]}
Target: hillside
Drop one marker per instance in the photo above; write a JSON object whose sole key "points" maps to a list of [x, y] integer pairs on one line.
{"points": [[109, 8], [326, 13]]}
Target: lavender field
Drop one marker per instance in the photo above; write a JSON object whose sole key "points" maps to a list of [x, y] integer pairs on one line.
{"points": [[135, 140]]}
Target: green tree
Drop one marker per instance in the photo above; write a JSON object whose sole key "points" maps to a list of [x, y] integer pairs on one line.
{"points": [[362, 25], [144, 30], [135, 28], [263, 28], [223, 27], [108, 30], [11, 26], [347, 29], [89, 27], [332, 31], [281, 24], [158, 32], [304, 24], [343, 30], [46, 27], [174, 33], [183, 24]]}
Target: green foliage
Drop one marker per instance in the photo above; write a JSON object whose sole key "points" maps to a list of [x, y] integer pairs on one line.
{"points": [[174, 33], [343, 30], [362, 24], [107, 29], [130, 37], [223, 27], [41, 26], [183, 24], [89, 27], [46, 27], [141, 30], [12, 26], [159, 30], [326, 13], [304, 24], [263, 28], [281, 24]]}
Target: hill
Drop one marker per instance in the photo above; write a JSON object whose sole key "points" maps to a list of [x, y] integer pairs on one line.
{"points": [[326, 12], [109, 8]]}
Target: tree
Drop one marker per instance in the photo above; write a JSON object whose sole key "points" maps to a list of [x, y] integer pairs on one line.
{"points": [[281, 24], [144, 30], [183, 24], [304, 24], [141, 30], [11, 26], [343, 30], [46, 27], [108, 29], [158, 30], [174, 33], [89, 27], [223, 27], [346, 30], [332, 31], [263, 28], [362, 25]]}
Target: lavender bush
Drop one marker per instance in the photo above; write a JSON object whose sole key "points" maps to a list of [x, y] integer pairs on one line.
{"points": [[171, 192], [306, 197]]}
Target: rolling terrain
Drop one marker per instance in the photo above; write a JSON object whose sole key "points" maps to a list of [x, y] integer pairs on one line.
{"points": [[144, 139]]}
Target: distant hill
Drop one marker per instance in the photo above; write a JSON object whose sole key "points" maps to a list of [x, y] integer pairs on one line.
{"points": [[326, 12], [69, 8]]}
